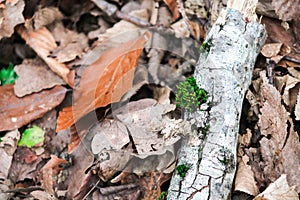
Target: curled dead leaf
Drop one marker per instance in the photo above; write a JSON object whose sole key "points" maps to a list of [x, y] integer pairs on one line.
{"points": [[43, 42]]}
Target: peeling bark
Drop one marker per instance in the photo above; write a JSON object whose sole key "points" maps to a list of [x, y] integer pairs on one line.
{"points": [[224, 70]]}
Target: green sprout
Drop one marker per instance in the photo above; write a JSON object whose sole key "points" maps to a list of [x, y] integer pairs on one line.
{"points": [[163, 196], [182, 170], [8, 76], [31, 137], [189, 95]]}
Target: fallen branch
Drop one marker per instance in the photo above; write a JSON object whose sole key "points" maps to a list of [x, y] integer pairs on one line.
{"points": [[224, 70]]}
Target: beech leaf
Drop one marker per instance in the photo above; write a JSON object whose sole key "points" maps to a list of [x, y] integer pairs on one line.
{"points": [[105, 81]]}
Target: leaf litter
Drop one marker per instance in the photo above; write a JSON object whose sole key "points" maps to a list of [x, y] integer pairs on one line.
{"points": [[94, 68]]}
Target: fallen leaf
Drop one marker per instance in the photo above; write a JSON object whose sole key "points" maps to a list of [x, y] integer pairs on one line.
{"points": [[103, 82], [71, 44], [244, 179], [43, 17], [20, 170], [291, 90], [172, 4], [16, 112], [50, 170], [285, 9], [8, 146], [43, 42], [109, 134], [297, 107], [34, 76], [10, 16], [271, 50], [279, 190], [279, 148], [82, 159]]}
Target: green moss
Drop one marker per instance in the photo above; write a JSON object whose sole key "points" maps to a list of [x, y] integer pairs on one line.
{"points": [[163, 196], [205, 46], [182, 170], [189, 95]]}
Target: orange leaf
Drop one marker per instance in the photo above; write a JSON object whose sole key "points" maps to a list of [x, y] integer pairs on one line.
{"points": [[172, 4], [104, 82]]}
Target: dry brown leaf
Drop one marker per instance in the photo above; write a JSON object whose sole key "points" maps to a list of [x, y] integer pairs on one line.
{"points": [[43, 17], [10, 16], [16, 112], [109, 134], [34, 76], [20, 170], [104, 82], [49, 170], [291, 91], [172, 4], [297, 107], [8, 146], [286, 9], [244, 179], [71, 44], [275, 51], [279, 190], [116, 34], [271, 50], [279, 148], [43, 42], [83, 159]]}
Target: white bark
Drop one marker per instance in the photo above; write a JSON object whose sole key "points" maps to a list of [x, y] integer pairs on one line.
{"points": [[225, 72]]}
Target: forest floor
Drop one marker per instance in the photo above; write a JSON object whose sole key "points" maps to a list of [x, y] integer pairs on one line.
{"points": [[88, 107]]}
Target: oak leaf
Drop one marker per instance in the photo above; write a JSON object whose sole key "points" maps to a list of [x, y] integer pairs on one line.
{"points": [[105, 81]]}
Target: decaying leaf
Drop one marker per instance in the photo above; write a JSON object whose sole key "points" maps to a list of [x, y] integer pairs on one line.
{"points": [[109, 134], [49, 170], [244, 179], [285, 9], [144, 125], [297, 107], [34, 76], [278, 190], [43, 17], [21, 169], [172, 4], [71, 44], [279, 148], [75, 181], [8, 146], [10, 16], [104, 82], [16, 112], [275, 51], [43, 42], [291, 90]]}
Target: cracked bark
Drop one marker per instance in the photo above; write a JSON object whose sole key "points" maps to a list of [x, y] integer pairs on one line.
{"points": [[224, 70]]}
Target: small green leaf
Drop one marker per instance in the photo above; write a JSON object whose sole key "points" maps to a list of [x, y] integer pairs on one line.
{"points": [[32, 136], [8, 76]]}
